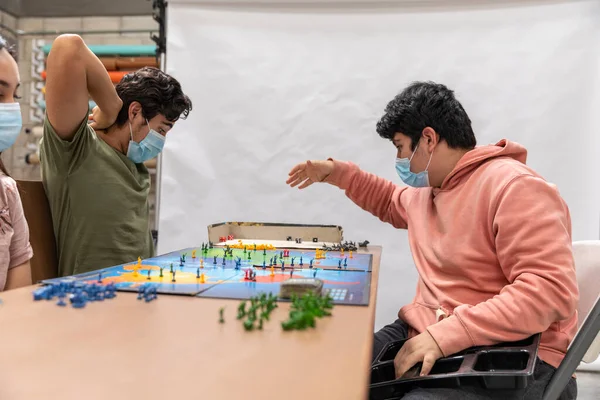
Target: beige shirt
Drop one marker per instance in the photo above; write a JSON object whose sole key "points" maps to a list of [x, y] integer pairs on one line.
{"points": [[14, 232]]}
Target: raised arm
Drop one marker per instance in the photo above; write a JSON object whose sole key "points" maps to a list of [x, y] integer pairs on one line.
{"points": [[382, 198], [376, 195], [73, 74]]}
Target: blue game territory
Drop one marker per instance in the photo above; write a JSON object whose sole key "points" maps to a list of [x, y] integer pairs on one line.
{"points": [[348, 287], [210, 275]]}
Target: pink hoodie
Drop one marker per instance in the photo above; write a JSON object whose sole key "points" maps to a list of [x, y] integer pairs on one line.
{"points": [[492, 247]]}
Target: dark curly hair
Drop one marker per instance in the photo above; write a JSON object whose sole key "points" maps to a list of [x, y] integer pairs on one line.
{"points": [[4, 45], [156, 91], [427, 104]]}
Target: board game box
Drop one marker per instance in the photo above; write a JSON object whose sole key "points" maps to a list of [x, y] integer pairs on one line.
{"points": [[241, 272]]}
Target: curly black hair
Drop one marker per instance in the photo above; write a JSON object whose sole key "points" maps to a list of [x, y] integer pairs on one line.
{"points": [[427, 104], [156, 91]]}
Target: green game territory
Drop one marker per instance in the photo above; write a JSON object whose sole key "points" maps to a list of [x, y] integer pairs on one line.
{"points": [[234, 253]]}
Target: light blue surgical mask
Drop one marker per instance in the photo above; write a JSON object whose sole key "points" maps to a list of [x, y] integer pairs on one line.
{"points": [[10, 124], [419, 179], [147, 149]]}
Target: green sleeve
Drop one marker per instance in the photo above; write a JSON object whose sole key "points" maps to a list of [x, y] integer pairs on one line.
{"points": [[66, 155]]}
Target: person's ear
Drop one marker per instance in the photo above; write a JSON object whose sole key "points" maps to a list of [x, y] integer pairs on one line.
{"points": [[430, 138], [135, 109]]}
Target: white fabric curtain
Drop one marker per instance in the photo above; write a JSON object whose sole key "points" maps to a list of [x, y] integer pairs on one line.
{"points": [[276, 83]]}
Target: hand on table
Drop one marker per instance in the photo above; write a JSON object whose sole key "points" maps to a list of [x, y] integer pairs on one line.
{"points": [[421, 348], [309, 172], [101, 120]]}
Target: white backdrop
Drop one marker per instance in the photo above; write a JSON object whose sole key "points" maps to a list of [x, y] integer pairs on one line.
{"points": [[273, 86]]}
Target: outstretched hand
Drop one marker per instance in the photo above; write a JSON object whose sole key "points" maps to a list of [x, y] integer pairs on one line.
{"points": [[309, 172], [100, 120], [421, 348]]}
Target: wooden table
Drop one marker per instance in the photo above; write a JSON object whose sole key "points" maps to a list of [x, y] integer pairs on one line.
{"points": [[174, 347]]}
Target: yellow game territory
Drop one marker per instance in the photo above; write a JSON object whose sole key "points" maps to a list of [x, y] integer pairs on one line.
{"points": [[319, 254], [240, 245], [138, 266]]}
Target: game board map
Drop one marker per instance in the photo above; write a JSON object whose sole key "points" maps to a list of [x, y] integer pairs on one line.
{"points": [[240, 273]]}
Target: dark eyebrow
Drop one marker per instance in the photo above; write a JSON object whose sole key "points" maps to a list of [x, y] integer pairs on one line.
{"points": [[6, 85], [169, 124]]}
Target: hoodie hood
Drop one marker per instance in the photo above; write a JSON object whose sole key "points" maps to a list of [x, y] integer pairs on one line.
{"points": [[479, 155]]}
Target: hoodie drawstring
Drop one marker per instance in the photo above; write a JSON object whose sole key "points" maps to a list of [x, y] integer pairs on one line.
{"points": [[440, 314]]}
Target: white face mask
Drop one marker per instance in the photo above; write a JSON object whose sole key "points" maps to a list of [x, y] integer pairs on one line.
{"points": [[10, 124]]}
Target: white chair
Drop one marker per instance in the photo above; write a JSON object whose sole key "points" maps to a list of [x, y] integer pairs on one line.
{"points": [[586, 343], [587, 262]]}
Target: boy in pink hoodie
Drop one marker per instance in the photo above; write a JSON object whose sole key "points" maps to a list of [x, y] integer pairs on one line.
{"points": [[491, 240]]}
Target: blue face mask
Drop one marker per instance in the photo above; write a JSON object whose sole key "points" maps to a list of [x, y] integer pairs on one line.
{"points": [[420, 179], [10, 124], [147, 149]]}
